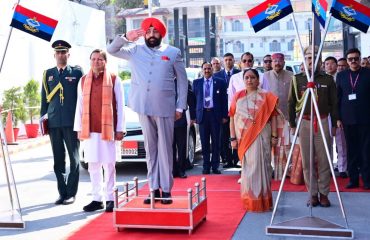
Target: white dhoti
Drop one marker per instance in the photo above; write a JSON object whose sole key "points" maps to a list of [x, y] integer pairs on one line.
{"points": [[101, 154]]}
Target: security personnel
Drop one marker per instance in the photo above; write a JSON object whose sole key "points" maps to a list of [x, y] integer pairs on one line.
{"points": [[59, 96], [326, 95]]}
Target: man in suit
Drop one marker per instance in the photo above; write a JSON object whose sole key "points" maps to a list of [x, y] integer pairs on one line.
{"points": [[179, 141], [228, 157], [353, 87], [154, 67], [211, 112], [58, 101]]}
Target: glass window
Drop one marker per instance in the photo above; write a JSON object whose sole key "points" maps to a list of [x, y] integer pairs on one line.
{"points": [[275, 26], [136, 23], [291, 45], [289, 25], [275, 46], [252, 45], [238, 47], [237, 26]]}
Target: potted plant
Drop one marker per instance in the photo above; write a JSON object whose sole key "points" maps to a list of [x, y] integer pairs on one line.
{"points": [[32, 100], [13, 100]]}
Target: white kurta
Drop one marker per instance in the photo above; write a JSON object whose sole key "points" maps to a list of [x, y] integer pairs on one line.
{"points": [[96, 149]]}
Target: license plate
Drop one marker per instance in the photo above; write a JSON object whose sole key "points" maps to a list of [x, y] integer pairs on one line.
{"points": [[129, 148]]}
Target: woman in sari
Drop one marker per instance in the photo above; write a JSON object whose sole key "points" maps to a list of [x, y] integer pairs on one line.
{"points": [[252, 130]]}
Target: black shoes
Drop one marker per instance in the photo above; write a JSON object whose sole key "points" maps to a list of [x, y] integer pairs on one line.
{"points": [[59, 201], [206, 171], [229, 165], [167, 197], [352, 185], [93, 206], [183, 175], [157, 194], [69, 200], [343, 175], [109, 205], [216, 171]]}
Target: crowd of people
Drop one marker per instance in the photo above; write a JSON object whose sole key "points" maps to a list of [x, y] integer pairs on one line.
{"points": [[245, 117]]}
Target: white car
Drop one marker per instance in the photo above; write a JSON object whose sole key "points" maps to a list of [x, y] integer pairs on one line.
{"points": [[132, 146]]}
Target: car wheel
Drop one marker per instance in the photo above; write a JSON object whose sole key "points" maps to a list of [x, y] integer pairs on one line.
{"points": [[191, 151], [84, 165]]}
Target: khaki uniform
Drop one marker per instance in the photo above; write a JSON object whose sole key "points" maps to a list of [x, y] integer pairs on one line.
{"points": [[327, 104]]}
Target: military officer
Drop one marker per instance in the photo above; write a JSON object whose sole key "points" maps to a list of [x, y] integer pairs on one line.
{"points": [[59, 96]]}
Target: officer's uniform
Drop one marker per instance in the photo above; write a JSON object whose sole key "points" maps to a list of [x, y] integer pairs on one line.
{"points": [[60, 108], [327, 104]]}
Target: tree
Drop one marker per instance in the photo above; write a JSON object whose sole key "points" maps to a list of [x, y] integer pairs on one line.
{"points": [[125, 4], [13, 100], [32, 98]]}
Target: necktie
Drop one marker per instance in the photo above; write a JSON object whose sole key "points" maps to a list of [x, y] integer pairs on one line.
{"points": [[207, 93], [228, 77], [60, 71]]}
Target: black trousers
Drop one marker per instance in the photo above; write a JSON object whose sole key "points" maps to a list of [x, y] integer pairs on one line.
{"points": [[227, 156], [179, 151], [209, 131], [67, 185], [358, 152]]}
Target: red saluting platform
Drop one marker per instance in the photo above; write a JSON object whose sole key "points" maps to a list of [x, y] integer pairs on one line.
{"points": [[185, 212]]}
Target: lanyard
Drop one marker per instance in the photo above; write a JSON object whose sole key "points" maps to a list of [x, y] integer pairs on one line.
{"points": [[353, 85]]}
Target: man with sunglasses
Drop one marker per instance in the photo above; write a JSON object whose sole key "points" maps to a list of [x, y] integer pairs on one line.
{"points": [[267, 63], [58, 101], [354, 117]]}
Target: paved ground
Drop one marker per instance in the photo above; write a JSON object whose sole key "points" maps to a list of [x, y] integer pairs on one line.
{"points": [[32, 165]]}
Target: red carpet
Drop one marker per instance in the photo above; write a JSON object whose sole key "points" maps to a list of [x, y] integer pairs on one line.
{"points": [[224, 214]]}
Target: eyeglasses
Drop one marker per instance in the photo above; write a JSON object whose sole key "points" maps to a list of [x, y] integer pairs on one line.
{"points": [[355, 59], [245, 60], [267, 61]]}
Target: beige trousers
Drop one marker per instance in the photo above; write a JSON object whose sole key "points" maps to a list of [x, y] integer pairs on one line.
{"points": [[321, 168]]}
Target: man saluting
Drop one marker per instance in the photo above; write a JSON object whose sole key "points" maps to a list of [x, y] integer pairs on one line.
{"points": [[154, 67]]}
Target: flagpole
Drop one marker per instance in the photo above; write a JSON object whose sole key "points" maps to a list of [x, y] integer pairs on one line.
{"points": [[7, 44], [300, 43], [322, 42]]}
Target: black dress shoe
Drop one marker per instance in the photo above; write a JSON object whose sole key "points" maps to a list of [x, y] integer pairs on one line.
{"points": [[109, 205], [352, 185], [93, 206], [229, 165], [206, 171], [216, 171], [343, 175], [367, 187], [168, 199], [157, 194], [59, 200], [182, 175], [69, 200]]}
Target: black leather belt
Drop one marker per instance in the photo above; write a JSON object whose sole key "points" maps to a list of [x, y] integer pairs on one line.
{"points": [[208, 109]]}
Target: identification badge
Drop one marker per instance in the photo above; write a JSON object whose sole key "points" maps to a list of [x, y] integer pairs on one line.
{"points": [[352, 96], [207, 99], [50, 78]]}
